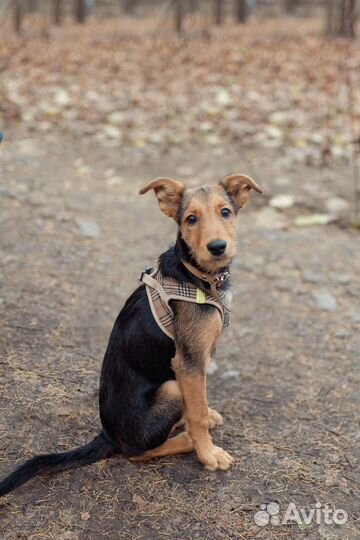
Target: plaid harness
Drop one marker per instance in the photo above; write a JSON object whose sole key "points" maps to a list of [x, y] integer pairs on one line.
{"points": [[160, 290]]}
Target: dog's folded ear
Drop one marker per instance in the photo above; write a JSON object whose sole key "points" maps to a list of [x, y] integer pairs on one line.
{"points": [[169, 193], [238, 187]]}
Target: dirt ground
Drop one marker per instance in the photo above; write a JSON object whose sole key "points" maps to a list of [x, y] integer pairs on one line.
{"points": [[286, 375]]}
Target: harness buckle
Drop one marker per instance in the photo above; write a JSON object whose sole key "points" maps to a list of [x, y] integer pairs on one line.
{"points": [[148, 270], [223, 277]]}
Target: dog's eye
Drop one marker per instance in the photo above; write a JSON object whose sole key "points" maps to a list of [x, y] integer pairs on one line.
{"points": [[191, 219], [225, 212]]}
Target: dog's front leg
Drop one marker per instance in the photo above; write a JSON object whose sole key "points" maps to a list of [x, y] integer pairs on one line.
{"points": [[194, 344]]}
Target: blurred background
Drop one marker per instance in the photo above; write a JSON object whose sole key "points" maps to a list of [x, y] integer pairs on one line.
{"points": [[161, 78], [97, 97]]}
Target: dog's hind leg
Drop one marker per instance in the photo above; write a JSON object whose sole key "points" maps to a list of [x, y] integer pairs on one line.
{"points": [[168, 396], [180, 444], [215, 419], [155, 425]]}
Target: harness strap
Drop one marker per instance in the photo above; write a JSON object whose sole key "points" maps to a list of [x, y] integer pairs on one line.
{"points": [[214, 280], [160, 291], [154, 284]]}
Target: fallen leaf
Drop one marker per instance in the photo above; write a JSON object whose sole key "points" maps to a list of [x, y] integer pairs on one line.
{"points": [[282, 201], [313, 219]]}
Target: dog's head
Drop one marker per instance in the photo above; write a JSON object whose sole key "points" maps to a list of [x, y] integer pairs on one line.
{"points": [[206, 215]]}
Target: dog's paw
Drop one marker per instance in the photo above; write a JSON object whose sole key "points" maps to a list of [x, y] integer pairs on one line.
{"points": [[214, 457], [215, 419]]}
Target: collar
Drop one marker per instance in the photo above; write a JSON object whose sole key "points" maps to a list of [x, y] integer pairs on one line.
{"points": [[214, 280]]}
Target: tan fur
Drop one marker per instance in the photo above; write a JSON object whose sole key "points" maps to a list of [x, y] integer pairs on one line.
{"points": [[239, 186], [193, 387], [180, 444], [206, 204], [196, 330], [168, 390], [215, 420], [168, 192], [199, 335]]}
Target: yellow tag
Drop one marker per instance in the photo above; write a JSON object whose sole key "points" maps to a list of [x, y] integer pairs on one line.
{"points": [[200, 296]]}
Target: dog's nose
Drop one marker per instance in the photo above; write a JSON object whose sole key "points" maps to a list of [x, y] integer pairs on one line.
{"points": [[217, 247]]}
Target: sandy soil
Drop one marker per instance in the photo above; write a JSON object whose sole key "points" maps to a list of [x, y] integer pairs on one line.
{"points": [[286, 375]]}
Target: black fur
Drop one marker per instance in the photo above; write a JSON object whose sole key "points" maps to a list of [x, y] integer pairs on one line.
{"points": [[136, 363], [99, 448]]}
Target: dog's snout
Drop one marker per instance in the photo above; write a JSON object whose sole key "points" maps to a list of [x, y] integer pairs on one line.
{"points": [[217, 247]]}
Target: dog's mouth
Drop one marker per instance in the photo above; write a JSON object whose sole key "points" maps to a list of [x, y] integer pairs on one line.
{"points": [[215, 263]]}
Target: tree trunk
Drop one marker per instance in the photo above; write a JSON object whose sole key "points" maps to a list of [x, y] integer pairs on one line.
{"points": [[57, 12], [80, 11], [178, 4], [343, 18], [348, 18], [129, 6], [218, 12], [33, 5], [193, 5], [240, 11], [17, 16], [290, 6], [329, 17], [340, 18]]}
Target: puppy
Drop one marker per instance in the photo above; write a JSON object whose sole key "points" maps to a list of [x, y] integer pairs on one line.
{"points": [[153, 377]]}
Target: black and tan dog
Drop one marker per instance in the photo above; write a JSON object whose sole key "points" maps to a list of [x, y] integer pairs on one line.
{"points": [[154, 379]]}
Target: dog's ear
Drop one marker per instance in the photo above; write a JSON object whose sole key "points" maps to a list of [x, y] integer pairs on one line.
{"points": [[238, 187], [169, 193]]}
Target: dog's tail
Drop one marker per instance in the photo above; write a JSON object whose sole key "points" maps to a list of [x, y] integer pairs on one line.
{"points": [[99, 448]]}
